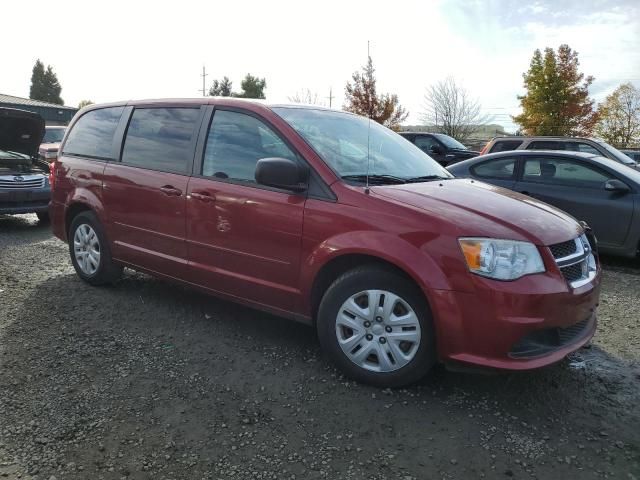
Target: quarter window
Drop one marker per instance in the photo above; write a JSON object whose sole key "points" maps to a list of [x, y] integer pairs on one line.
{"points": [[236, 142], [161, 139], [92, 135], [499, 168], [558, 171]]}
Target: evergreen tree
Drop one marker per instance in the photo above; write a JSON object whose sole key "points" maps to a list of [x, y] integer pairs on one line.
{"points": [[45, 85], [222, 88], [252, 87]]}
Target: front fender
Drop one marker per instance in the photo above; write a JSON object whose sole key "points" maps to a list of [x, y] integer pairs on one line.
{"points": [[388, 247]]}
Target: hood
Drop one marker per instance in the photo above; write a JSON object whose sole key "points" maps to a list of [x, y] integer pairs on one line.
{"points": [[20, 131], [483, 210]]}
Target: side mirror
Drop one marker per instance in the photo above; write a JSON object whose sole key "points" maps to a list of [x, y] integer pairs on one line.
{"points": [[282, 173], [435, 149], [617, 186]]}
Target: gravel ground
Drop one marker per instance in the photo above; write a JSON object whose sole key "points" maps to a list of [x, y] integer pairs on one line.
{"points": [[149, 380]]}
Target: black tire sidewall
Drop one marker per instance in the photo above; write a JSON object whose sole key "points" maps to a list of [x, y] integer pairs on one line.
{"points": [[376, 278], [104, 273]]}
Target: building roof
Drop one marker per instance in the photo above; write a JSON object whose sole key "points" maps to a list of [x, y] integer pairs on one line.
{"points": [[27, 102]]}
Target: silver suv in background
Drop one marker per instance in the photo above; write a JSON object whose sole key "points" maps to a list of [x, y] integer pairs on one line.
{"points": [[571, 144]]}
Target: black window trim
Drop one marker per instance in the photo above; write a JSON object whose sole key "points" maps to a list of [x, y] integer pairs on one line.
{"points": [[325, 192], [505, 140], [114, 152], [568, 159], [192, 143]]}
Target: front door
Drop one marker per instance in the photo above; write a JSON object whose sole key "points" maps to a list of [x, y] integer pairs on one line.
{"points": [[243, 239], [432, 147], [145, 193], [578, 189]]}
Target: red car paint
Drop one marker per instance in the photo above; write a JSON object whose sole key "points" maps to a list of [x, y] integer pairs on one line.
{"points": [[266, 249]]}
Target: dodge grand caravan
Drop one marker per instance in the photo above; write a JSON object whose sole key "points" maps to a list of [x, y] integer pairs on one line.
{"points": [[329, 219]]}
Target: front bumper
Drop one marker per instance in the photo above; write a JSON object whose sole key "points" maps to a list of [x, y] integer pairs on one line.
{"points": [[530, 323], [25, 201]]}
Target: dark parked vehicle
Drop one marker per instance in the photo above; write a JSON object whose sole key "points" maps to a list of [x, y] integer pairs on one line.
{"points": [[329, 219], [442, 148], [632, 154], [24, 180], [572, 144], [604, 193]]}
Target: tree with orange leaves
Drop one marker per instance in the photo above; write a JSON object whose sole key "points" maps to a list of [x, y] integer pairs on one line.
{"points": [[557, 101]]}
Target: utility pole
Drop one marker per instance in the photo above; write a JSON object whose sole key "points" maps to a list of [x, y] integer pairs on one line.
{"points": [[204, 89], [330, 97]]}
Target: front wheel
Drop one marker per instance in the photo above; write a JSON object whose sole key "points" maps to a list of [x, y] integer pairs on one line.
{"points": [[89, 250], [376, 326]]}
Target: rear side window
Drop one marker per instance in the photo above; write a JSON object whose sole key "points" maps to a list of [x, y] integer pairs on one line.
{"points": [[92, 134], [547, 145], [558, 171], [161, 139], [236, 142], [505, 146], [503, 168]]}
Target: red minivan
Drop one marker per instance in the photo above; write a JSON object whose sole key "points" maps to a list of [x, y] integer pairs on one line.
{"points": [[329, 219]]}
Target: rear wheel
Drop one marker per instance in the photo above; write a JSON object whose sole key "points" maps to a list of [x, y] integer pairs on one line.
{"points": [[376, 326], [89, 251]]}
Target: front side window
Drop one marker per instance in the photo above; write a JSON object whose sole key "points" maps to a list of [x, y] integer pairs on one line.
{"points": [[161, 139], [92, 135], [582, 147], [236, 142], [558, 171], [425, 143], [505, 146], [500, 168], [354, 146]]}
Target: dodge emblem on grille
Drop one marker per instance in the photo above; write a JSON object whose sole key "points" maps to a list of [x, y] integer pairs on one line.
{"points": [[18, 178]]}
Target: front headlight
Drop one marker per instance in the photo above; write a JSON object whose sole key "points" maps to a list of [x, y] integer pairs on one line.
{"points": [[501, 259]]}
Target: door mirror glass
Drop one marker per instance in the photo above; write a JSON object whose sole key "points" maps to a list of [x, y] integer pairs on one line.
{"points": [[281, 173], [615, 185]]}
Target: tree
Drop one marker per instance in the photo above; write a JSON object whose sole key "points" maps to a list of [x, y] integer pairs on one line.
{"points": [[84, 103], [305, 96], [252, 87], [222, 88], [619, 117], [45, 85], [451, 109], [557, 100], [363, 99]]}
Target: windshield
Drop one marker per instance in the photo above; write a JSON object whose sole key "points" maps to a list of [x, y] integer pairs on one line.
{"points": [[53, 135], [450, 142], [621, 157], [343, 140]]}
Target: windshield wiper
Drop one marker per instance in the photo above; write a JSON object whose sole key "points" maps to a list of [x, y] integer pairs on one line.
{"points": [[376, 178], [426, 178]]}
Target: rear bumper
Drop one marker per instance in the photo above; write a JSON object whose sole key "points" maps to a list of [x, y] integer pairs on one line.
{"points": [[25, 201], [56, 217], [505, 326]]}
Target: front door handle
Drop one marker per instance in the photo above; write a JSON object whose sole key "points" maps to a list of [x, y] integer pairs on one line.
{"points": [[203, 196], [171, 191]]}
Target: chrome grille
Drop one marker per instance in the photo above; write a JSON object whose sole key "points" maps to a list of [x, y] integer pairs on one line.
{"points": [[21, 182], [576, 261]]}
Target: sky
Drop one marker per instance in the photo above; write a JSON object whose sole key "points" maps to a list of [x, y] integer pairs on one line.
{"points": [[120, 50]]}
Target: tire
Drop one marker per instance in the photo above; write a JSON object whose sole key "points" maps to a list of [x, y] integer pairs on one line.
{"points": [[95, 269], [357, 348], [43, 217]]}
